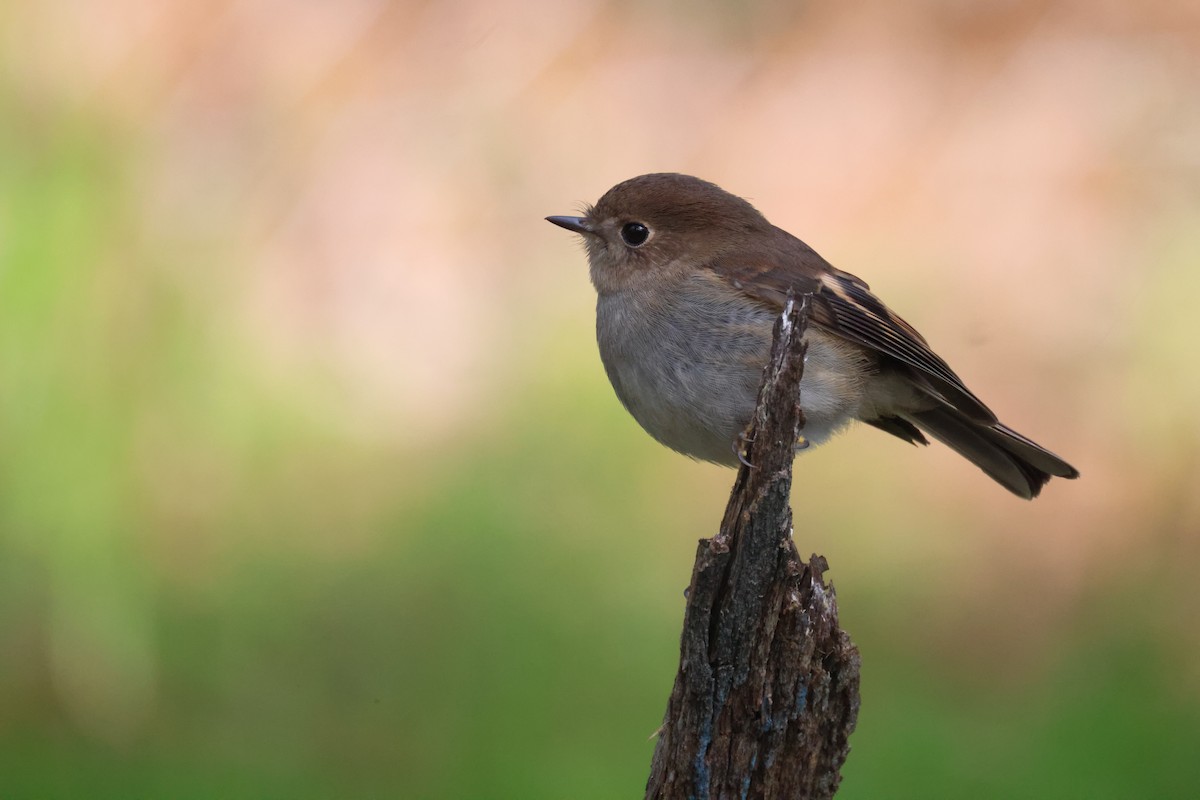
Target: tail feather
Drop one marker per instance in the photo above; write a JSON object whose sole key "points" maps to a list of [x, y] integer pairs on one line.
{"points": [[1015, 462]]}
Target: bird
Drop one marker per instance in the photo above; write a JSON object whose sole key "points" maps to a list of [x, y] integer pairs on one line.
{"points": [[690, 279]]}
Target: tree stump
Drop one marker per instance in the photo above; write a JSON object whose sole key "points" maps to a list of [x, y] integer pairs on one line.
{"points": [[766, 696]]}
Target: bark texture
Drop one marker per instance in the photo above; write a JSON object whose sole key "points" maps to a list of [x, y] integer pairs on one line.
{"points": [[767, 690]]}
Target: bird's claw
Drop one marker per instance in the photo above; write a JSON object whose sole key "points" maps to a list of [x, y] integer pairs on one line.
{"points": [[737, 450]]}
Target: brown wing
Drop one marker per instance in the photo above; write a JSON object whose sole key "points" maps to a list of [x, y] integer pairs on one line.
{"points": [[844, 305]]}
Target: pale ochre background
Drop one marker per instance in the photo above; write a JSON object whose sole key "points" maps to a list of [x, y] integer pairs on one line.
{"points": [[311, 483]]}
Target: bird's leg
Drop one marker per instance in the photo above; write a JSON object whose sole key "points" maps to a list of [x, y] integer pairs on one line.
{"points": [[739, 448]]}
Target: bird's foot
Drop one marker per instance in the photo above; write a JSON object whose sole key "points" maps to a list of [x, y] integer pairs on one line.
{"points": [[740, 451]]}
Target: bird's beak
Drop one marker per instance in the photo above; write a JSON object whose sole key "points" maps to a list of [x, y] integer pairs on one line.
{"points": [[577, 224]]}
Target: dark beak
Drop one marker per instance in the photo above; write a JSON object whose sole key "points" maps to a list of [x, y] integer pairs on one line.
{"points": [[577, 224]]}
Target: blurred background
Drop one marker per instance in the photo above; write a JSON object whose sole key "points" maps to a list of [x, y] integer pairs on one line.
{"points": [[311, 482]]}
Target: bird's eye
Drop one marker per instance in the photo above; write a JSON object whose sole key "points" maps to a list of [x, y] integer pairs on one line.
{"points": [[635, 234]]}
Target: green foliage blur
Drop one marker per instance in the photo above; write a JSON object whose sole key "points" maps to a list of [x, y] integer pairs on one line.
{"points": [[221, 577]]}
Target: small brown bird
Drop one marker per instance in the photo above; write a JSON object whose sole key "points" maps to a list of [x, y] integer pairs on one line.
{"points": [[691, 279]]}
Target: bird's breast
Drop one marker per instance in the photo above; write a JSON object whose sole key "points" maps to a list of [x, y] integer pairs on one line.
{"points": [[687, 365]]}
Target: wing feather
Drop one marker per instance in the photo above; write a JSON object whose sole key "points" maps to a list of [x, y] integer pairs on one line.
{"points": [[844, 305]]}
